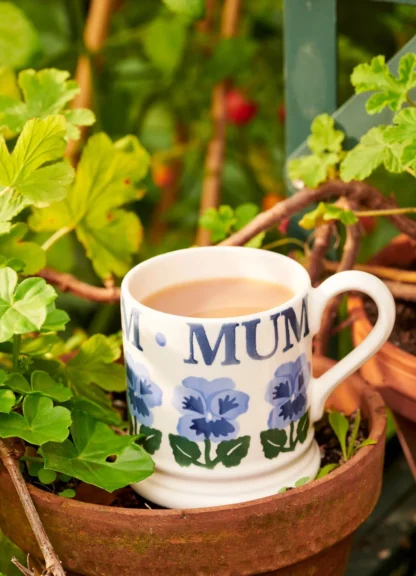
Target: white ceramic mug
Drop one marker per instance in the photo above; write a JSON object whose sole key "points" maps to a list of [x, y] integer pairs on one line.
{"points": [[228, 404]]}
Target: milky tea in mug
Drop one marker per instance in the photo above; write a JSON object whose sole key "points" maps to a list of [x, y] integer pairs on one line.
{"points": [[218, 351]]}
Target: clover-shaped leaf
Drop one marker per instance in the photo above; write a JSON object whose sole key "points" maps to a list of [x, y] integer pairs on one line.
{"points": [[23, 307], [24, 178], [13, 247], [45, 92], [326, 144], [325, 213], [40, 383], [372, 151], [7, 401], [390, 91], [107, 177], [219, 221], [98, 456], [94, 364], [40, 422]]}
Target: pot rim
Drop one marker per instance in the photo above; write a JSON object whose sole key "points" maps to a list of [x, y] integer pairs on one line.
{"points": [[357, 303], [376, 409]]}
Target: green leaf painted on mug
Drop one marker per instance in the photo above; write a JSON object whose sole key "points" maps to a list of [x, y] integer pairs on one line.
{"points": [[185, 451], [273, 441], [231, 452], [303, 427], [152, 440]]}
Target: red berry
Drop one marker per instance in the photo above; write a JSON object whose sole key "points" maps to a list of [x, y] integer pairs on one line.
{"points": [[163, 176], [239, 109], [281, 113], [283, 226], [368, 223]]}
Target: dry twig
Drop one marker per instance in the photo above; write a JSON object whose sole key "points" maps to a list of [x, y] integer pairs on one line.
{"points": [[69, 283]]}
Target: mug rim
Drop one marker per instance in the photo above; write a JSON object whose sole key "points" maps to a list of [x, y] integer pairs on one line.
{"points": [[127, 295]]}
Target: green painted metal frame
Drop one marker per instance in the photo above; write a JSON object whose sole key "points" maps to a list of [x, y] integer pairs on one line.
{"points": [[311, 55]]}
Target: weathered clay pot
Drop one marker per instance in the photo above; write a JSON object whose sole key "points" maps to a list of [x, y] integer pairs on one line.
{"points": [[301, 532], [391, 370]]}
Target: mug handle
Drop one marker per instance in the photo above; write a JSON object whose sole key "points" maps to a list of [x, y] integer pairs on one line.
{"points": [[321, 388]]}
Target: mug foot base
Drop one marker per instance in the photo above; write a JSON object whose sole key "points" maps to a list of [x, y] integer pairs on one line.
{"points": [[171, 491]]}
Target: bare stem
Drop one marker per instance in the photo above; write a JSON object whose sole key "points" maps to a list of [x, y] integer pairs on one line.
{"points": [[22, 569], [16, 350], [52, 562], [68, 283], [55, 237], [349, 256], [211, 186], [387, 212], [323, 236], [387, 273]]}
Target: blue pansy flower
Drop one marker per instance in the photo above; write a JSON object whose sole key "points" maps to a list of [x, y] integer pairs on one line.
{"points": [[210, 408], [142, 392], [287, 392]]}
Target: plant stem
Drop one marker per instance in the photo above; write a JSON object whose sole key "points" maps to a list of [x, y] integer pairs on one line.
{"points": [[16, 350], [52, 562], [323, 235], [385, 272], [387, 212], [410, 101], [211, 186], [68, 283], [284, 242], [208, 461], [292, 442], [55, 237]]}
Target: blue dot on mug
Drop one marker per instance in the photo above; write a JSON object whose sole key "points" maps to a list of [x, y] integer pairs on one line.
{"points": [[160, 339]]}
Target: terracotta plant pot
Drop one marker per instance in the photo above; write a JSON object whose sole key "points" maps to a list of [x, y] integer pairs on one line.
{"points": [[392, 370], [303, 531]]}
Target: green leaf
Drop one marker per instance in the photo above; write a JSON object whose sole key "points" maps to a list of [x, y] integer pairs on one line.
{"points": [[324, 136], [94, 364], [45, 92], [218, 221], [55, 319], [98, 456], [376, 76], [98, 406], [13, 247], [164, 42], [312, 170], [47, 476], [231, 452], [40, 383], [193, 9], [303, 428], [326, 213], [107, 177], [152, 440], [7, 401], [325, 470], [244, 214], [273, 441], [24, 180], [282, 490], [41, 422], [23, 307], [18, 38], [185, 451], [256, 241], [339, 424], [67, 493], [302, 481], [353, 436], [402, 138], [367, 442]]}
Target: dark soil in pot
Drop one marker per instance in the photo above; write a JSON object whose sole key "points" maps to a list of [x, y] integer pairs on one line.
{"points": [[302, 531], [404, 331]]}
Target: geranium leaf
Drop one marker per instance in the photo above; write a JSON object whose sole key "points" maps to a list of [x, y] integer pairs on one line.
{"points": [[23, 178], [13, 247], [312, 170], [7, 401], [194, 9], [55, 319], [325, 213], [40, 422], [40, 383], [368, 155], [218, 221], [245, 214], [107, 177], [98, 456], [324, 137], [164, 42], [45, 92], [94, 364], [18, 38], [99, 407], [23, 307]]}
